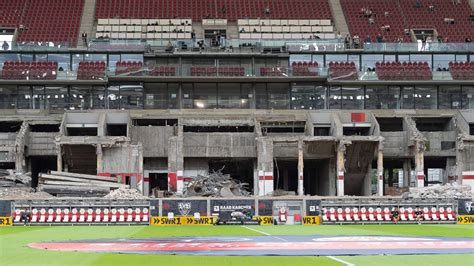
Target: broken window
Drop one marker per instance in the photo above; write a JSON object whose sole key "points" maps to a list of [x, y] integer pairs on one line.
{"points": [[283, 127], [82, 131], [390, 124], [214, 129], [154, 122], [44, 128], [356, 131], [433, 124], [322, 131], [10, 126], [471, 129], [117, 130]]}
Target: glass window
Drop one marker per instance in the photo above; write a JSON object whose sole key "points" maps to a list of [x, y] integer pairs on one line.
{"points": [[187, 95], [99, 99], [369, 60], [420, 58], [76, 58], [113, 97], [261, 95], [156, 96], [462, 58], [24, 97], [113, 59], [319, 58], [352, 97], [335, 98], [205, 96], [407, 97], [308, 96], [26, 57], [41, 57], [80, 98], [382, 97], [468, 97], [56, 98], [247, 96], [229, 96], [95, 57], [450, 97], [62, 59], [426, 97], [355, 59], [131, 96], [403, 58], [38, 97], [278, 96], [8, 96], [442, 60], [389, 58], [173, 92], [335, 58], [300, 58], [132, 57]]}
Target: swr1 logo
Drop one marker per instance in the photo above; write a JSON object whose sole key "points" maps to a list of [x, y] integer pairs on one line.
{"points": [[5, 221]]}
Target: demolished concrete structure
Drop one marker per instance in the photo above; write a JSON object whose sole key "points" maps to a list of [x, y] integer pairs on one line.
{"points": [[325, 153]]}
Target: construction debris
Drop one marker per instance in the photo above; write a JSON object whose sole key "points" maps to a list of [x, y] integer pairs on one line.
{"points": [[22, 193], [215, 184], [125, 193], [77, 185], [449, 191], [281, 193], [8, 178]]}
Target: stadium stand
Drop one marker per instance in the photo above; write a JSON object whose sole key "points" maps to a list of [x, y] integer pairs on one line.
{"points": [[305, 68], [162, 71], [128, 68], [403, 14], [91, 70], [285, 29], [202, 9], [222, 71], [403, 71], [273, 71], [342, 70], [462, 70], [43, 20], [29, 70]]}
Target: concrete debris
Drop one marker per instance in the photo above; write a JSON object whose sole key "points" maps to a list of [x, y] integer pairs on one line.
{"points": [[9, 178], [22, 193], [448, 191], [215, 184], [280, 193], [77, 185], [125, 193]]}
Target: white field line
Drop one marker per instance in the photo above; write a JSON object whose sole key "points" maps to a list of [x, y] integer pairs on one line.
{"points": [[264, 233], [341, 261]]}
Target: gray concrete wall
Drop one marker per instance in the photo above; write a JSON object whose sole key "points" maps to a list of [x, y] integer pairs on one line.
{"points": [[434, 142], [154, 139], [121, 159], [220, 145], [395, 143], [41, 144]]}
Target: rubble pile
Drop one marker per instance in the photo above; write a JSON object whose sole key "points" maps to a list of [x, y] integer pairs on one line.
{"points": [[125, 193], [65, 184], [22, 193], [215, 184], [450, 190], [8, 178]]}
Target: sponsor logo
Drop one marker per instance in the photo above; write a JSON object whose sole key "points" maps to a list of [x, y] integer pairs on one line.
{"points": [[311, 220], [164, 221], [465, 219], [468, 206], [231, 207], [6, 221], [265, 220], [184, 208]]}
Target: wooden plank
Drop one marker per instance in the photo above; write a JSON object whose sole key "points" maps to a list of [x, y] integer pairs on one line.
{"points": [[92, 177], [73, 179], [62, 183]]}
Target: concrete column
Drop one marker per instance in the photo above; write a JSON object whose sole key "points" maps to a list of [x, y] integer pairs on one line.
{"points": [[175, 164], [100, 160], [59, 160], [406, 173], [380, 170], [340, 168], [300, 169], [420, 163], [468, 179], [265, 166]]}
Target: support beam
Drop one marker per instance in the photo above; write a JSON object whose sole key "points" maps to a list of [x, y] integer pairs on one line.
{"points": [[300, 169], [265, 166], [468, 179], [100, 159], [340, 168], [59, 160], [175, 165], [380, 169], [406, 172], [420, 163]]}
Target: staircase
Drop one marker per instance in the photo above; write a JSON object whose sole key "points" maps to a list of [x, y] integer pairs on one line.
{"points": [[338, 16], [87, 22]]}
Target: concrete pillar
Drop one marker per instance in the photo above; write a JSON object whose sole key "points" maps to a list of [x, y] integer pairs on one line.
{"points": [[59, 160], [175, 164], [300, 169], [340, 168], [406, 172], [380, 170], [420, 163], [100, 160], [468, 179], [332, 174], [265, 166]]}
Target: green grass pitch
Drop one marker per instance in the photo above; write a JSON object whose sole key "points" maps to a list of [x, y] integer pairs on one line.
{"points": [[13, 241]]}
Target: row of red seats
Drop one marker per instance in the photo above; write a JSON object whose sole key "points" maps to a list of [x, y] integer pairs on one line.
{"points": [[129, 68], [343, 71], [200, 9], [29, 70], [403, 71], [462, 70], [305, 68], [273, 71], [75, 215], [89, 70], [378, 214], [221, 71], [43, 21], [163, 71]]}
